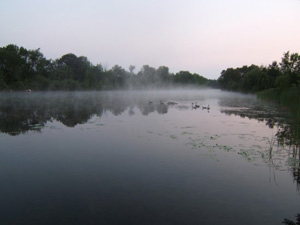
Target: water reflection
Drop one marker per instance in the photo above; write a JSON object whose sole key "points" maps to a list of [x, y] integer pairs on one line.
{"points": [[290, 222], [176, 160], [20, 113], [266, 112], [286, 135]]}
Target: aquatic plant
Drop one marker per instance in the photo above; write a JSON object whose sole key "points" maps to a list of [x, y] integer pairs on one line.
{"points": [[289, 100], [271, 142], [173, 136]]}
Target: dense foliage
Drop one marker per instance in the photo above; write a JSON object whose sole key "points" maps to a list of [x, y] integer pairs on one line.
{"points": [[22, 69], [254, 78]]}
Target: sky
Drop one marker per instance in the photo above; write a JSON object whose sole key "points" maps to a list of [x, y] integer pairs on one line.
{"points": [[199, 36]]}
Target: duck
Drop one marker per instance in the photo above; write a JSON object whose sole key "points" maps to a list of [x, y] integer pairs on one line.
{"points": [[206, 107], [195, 106]]}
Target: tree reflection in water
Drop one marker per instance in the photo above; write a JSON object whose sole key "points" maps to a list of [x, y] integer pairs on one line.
{"points": [[287, 134], [23, 112], [290, 222], [20, 113]]}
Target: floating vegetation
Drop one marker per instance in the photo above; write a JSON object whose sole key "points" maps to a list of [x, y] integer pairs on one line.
{"points": [[186, 133], [173, 136], [224, 147], [200, 145], [244, 154], [154, 133], [193, 144], [253, 148], [187, 127], [214, 137], [264, 151]]}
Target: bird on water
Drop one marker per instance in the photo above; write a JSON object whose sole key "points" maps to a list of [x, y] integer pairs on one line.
{"points": [[206, 107]]}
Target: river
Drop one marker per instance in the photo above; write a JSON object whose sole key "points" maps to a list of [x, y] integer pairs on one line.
{"points": [[145, 157]]}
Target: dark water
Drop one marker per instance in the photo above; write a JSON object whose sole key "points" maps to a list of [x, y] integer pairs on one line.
{"points": [[115, 158]]}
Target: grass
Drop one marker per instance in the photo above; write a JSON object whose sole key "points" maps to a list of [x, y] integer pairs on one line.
{"points": [[289, 99]]}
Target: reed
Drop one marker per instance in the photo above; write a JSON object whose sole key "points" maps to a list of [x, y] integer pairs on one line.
{"points": [[287, 97], [290, 100], [271, 142]]}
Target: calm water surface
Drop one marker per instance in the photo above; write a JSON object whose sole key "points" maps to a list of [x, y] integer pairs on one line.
{"points": [[144, 157]]}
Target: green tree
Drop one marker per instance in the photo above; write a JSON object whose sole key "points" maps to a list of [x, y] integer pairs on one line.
{"points": [[273, 71], [230, 79], [94, 77], [21, 67], [146, 75], [11, 66], [3, 85], [67, 66], [290, 67], [118, 76], [282, 82], [185, 77], [254, 79], [162, 75], [131, 69]]}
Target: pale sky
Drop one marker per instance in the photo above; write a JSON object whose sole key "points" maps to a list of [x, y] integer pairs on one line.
{"points": [[200, 36]]}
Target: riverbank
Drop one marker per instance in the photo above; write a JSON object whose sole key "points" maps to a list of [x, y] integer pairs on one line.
{"points": [[289, 99]]}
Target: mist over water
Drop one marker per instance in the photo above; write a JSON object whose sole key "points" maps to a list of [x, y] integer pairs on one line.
{"points": [[144, 157]]}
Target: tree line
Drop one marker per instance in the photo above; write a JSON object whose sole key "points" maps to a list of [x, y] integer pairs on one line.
{"points": [[23, 69], [255, 78]]}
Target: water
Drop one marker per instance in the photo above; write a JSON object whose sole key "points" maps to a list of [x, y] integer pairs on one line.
{"points": [[144, 157]]}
